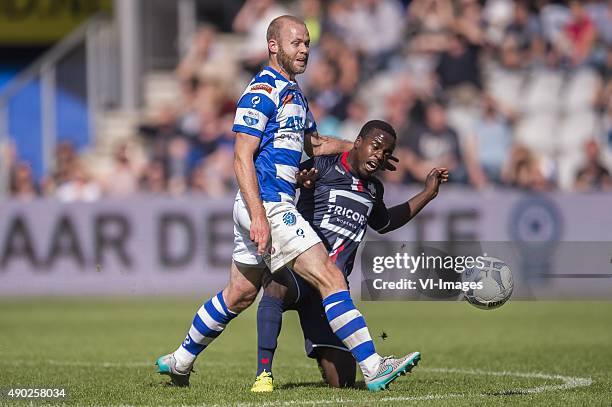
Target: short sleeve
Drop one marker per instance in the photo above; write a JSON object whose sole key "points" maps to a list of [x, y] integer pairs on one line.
{"points": [[379, 217], [254, 109], [310, 125]]}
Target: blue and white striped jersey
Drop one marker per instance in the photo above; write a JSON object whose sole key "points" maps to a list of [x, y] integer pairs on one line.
{"points": [[275, 110]]}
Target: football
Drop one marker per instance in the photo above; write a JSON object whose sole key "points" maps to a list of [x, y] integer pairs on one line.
{"points": [[496, 284]]}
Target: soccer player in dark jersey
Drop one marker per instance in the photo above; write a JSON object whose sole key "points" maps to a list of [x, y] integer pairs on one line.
{"points": [[345, 199]]}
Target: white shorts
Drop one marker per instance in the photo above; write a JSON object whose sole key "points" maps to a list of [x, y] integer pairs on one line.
{"points": [[291, 235]]}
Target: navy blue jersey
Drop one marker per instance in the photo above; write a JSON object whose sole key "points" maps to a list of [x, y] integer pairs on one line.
{"points": [[341, 206]]}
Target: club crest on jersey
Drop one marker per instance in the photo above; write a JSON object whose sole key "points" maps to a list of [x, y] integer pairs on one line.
{"points": [[372, 190], [289, 219]]}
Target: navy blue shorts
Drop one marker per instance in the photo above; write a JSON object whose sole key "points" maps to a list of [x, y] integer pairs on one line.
{"points": [[315, 327]]}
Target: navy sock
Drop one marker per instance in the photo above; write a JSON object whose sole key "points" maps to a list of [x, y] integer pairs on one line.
{"points": [[269, 321]]}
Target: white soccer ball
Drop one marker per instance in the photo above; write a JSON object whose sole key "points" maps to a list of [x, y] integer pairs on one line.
{"points": [[495, 279]]}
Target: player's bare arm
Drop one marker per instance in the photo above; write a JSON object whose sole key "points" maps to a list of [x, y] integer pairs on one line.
{"points": [[401, 214], [244, 166], [315, 144]]}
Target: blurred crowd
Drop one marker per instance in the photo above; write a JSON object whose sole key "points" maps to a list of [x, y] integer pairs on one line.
{"points": [[505, 93]]}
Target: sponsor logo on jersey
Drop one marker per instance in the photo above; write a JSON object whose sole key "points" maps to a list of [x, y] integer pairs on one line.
{"points": [[289, 219], [347, 214], [339, 210], [340, 170], [255, 101], [251, 121], [289, 136], [262, 86], [250, 118]]}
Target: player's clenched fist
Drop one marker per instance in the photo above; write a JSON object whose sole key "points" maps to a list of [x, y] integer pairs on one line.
{"points": [[435, 177], [306, 178], [260, 233]]}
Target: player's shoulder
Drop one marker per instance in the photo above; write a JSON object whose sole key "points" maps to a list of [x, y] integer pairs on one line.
{"points": [[326, 162], [323, 163], [268, 83]]}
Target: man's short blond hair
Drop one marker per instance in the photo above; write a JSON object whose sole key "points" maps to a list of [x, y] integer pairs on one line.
{"points": [[277, 24]]}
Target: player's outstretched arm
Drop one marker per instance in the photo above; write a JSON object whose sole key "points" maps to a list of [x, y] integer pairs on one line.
{"points": [[400, 215], [246, 146]]}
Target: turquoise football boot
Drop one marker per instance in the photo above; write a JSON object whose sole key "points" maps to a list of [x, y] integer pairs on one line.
{"points": [[390, 369]]}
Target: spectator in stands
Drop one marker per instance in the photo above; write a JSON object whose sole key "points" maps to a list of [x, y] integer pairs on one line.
{"points": [[523, 171], [459, 64], [525, 28], [153, 179], [124, 176], [187, 120], [214, 176], [326, 123], [469, 22], [375, 29], [311, 11], [65, 159], [431, 17], [208, 139], [580, 33], [490, 142], [357, 115], [593, 176], [511, 57], [332, 49], [526, 32], [160, 130], [203, 50], [21, 182], [600, 13], [253, 20], [177, 165], [324, 88], [79, 186], [435, 144]]}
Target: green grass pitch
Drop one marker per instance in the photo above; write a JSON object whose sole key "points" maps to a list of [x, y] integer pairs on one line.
{"points": [[525, 353]]}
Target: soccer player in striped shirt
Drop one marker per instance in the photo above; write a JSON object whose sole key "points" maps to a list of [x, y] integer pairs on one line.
{"points": [[273, 128]]}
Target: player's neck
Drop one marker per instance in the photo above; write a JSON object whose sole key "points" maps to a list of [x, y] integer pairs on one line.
{"points": [[351, 160], [276, 66]]}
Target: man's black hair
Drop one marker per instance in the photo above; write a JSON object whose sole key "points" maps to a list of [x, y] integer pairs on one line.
{"points": [[382, 125]]}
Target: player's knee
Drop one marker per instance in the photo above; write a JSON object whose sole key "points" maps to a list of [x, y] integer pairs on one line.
{"points": [[275, 290], [240, 296]]}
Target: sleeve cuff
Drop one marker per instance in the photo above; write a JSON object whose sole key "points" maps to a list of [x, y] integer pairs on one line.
{"points": [[246, 130]]}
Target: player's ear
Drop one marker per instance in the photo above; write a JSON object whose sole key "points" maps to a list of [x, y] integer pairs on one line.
{"points": [[272, 46], [358, 141]]}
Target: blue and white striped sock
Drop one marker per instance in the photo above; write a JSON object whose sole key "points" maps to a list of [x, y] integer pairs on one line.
{"points": [[350, 327], [208, 323]]}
